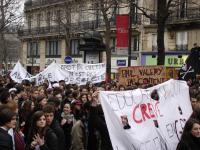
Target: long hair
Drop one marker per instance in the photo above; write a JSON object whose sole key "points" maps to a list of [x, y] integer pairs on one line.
{"points": [[196, 112], [38, 106], [26, 110], [186, 137], [34, 129]]}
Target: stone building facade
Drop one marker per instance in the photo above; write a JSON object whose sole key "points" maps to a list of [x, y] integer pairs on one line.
{"points": [[44, 36]]}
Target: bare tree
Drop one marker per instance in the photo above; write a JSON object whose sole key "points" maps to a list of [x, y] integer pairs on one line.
{"points": [[164, 9], [104, 9], [107, 10], [9, 15]]}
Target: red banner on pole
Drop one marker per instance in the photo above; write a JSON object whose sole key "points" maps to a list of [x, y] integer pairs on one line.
{"points": [[122, 25]]}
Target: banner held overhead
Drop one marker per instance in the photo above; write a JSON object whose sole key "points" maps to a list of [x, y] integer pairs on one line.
{"points": [[135, 121]]}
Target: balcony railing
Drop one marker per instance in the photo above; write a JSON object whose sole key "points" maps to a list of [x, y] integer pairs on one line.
{"points": [[74, 27], [188, 14], [39, 3]]}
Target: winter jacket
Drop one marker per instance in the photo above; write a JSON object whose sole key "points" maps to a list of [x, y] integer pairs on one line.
{"points": [[78, 136], [55, 126], [5, 140], [193, 144], [51, 141]]}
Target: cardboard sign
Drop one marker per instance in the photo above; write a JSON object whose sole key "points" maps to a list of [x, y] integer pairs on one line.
{"points": [[146, 74]]}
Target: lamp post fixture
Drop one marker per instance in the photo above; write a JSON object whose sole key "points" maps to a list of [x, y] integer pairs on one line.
{"points": [[130, 32]]}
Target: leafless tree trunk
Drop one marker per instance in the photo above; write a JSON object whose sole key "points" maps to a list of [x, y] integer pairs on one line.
{"points": [[164, 9], [8, 16], [107, 8]]}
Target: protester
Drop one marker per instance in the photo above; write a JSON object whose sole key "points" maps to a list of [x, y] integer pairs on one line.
{"points": [[79, 133], [4, 95], [67, 123], [83, 98], [73, 118], [41, 101], [190, 139], [25, 115], [51, 121], [7, 121], [15, 132], [41, 136], [196, 112]]}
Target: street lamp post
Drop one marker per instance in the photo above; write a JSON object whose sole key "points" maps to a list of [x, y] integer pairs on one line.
{"points": [[32, 57], [130, 33]]}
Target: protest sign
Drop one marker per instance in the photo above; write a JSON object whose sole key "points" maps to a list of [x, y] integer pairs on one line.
{"points": [[78, 74], [19, 73], [82, 73], [135, 121], [145, 74], [51, 73]]}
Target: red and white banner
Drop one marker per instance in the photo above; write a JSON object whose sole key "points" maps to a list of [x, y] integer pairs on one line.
{"points": [[122, 25], [135, 121]]}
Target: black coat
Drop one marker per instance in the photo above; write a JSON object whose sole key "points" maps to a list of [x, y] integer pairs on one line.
{"points": [[67, 127], [193, 144], [96, 122], [51, 141], [5, 140], [55, 126]]}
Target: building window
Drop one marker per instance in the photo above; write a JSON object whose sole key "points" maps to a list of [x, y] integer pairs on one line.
{"points": [[113, 45], [154, 42], [74, 46], [53, 48], [58, 16], [183, 8], [135, 43], [135, 12], [38, 20], [48, 20], [182, 41], [29, 22], [33, 50]]}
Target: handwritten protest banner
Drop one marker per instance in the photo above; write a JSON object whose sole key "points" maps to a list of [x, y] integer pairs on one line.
{"points": [[51, 73], [135, 121], [82, 73], [78, 74], [145, 74], [19, 73]]}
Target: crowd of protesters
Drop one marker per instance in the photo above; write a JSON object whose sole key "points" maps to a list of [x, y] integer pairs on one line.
{"points": [[69, 117]]}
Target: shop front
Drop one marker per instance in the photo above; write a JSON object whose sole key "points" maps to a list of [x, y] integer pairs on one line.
{"points": [[118, 62], [171, 59]]}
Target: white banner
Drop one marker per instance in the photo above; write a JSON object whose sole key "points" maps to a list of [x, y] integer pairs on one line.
{"points": [[51, 73], [82, 73], [19, 73], [78, 74], [137, 122]]}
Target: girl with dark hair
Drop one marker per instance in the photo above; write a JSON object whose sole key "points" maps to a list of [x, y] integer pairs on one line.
{"points": [[190, 139], [40, 102], [25, 114], [83, 98], [40, 136]]}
